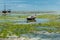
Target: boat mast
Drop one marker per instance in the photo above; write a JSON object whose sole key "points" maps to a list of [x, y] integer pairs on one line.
{"points": [[35, 11], [4, 6], [4, 10]]}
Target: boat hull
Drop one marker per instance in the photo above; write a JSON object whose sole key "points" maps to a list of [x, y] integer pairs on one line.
{"points": [[30, 18]]}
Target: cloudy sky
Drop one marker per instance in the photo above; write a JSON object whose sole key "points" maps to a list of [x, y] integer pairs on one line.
{"points": [[30, 5]]}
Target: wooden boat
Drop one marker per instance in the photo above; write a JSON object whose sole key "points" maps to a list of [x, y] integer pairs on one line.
{"points": [[31, 19]]}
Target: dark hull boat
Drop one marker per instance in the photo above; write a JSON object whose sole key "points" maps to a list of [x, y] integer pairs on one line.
{"points": [[4, 11], [31, 19]]}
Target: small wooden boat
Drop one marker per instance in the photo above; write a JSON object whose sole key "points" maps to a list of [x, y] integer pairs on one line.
{"points": [[31, 18]]}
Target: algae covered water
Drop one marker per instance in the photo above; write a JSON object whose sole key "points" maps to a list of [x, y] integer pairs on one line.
{"points": [[46, 27]]}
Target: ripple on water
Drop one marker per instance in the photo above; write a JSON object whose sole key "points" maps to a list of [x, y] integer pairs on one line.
{"points": [[24, 21]]}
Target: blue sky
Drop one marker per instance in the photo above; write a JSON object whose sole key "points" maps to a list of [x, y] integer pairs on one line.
{"points": [[31, 5]]}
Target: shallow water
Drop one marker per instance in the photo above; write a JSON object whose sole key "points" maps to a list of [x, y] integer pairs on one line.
{"points": [[37, 21], [48, 36], [20, 20], [46, 27], [31, 36], [17, 14], [34, 36], [24, 21]]}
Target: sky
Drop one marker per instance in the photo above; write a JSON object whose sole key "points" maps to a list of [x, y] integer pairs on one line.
{"points": [[30, 5]]}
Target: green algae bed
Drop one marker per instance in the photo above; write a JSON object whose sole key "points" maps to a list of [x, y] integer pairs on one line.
{"points": [[48, 16], [8, 28]]}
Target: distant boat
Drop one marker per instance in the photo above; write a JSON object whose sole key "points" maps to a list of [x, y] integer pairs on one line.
{"points": [[9, 11], [6, 11]]}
